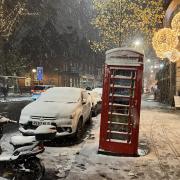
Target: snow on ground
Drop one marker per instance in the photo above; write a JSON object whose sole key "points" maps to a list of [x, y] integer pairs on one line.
{"points": [[159, 142], [16, 99], [7, 148], [59, 159], [159, 135]]}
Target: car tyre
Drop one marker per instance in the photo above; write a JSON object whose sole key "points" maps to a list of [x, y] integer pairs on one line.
{"points": [[94, 112], [37, 170], [89, 120], [79, 131]]}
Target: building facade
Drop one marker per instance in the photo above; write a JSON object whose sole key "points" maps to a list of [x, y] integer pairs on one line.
{"points": [[169, 75], [172, 10]]}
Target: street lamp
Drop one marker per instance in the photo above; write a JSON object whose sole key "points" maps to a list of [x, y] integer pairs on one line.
{"points": [[161, 66], [33, 72], [137, 42], [138, 45]]}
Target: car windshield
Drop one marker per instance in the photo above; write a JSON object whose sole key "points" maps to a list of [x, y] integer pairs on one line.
{"points": [[68, 95]]}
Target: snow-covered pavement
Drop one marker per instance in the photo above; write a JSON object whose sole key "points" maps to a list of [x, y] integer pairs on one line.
{"points": [[159, 141]]}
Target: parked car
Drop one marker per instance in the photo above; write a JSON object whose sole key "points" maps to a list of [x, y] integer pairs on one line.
{"points": [[38, 89], [95, 102], [66, 108], [98, 90]]}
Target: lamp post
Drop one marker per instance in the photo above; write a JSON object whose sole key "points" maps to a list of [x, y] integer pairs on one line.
{"points": [[33, 73], [137, 43], [148, 60], [58, 74]]}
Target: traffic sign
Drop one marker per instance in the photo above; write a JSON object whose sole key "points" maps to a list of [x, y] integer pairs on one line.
{"points": [[39, 73]]}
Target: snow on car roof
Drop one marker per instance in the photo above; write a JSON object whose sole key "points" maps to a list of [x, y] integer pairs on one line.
{"points": [[63, 94], [65, 90], [98, 90]]}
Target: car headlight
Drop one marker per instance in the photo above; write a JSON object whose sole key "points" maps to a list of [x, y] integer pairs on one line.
{"points": [[73, 115]]}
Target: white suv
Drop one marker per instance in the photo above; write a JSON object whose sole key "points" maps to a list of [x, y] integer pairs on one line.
{"points": [[66, 108]]}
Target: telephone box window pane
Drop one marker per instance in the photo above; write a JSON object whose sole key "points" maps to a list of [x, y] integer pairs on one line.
{"points": [[118, 137], [124, 73], [118, 119]]}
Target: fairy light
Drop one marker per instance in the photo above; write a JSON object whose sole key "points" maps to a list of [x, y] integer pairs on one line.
{"points": [[164, 40], [175, 24], [160, 55], [175, 55]]}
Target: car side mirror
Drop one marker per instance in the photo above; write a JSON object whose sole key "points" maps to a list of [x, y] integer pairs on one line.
{"points": [[84, 101]]}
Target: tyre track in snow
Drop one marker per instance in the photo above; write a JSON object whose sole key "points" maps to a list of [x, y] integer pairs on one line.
{"points": [[163, 169], [169, 142], [163, 141]]}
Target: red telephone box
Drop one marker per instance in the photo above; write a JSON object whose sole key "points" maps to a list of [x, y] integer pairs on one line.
{"points": [[121, 101]]}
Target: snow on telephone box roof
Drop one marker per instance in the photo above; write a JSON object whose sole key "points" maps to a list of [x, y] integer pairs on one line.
{"points": [[124, 57]]}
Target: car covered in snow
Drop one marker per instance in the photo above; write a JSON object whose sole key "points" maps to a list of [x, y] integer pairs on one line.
{"points": [[98, 90], [67, 108], [95, 102]]}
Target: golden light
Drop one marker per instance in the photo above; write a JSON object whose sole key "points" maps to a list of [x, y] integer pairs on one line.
{"points": [[175, 56], [34, 70], [175, 24], [137, 42], [160, 55], [164, 40]]}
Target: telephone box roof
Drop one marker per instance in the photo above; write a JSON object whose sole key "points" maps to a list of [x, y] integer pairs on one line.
{"points": [[124, 49], [124, 57]]}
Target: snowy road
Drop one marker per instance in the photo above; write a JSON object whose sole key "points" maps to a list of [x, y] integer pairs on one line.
{"points": [[159, 134], [16, 98]]}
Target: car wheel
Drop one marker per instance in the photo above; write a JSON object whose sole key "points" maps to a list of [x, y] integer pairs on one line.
{"points": [[94, 112], [89, 120], [79, 130], [36, 168]]}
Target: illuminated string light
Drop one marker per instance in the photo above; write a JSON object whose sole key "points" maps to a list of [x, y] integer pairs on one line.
{"points": [[160, 55], [164, 40], [175, 55], [175, 24]]}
